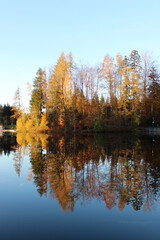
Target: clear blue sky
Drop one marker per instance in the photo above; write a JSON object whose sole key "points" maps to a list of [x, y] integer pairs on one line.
{"points": [[33, 33]]}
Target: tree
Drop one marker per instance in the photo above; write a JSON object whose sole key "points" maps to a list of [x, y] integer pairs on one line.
{"points": [[7, 115], [38, 93], [119, 72], [135, 68], [102, 108], [17, 105], [154, 94], [108, 68], [146, 65], [60, 89], [129, 72], [124, 101]]}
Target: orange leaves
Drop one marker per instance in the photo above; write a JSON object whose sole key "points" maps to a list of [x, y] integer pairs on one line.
{"points": [[29, 175], [44, 123], [61, 120]]}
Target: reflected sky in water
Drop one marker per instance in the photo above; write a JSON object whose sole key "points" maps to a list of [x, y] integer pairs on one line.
{"points": [[95, 187]]}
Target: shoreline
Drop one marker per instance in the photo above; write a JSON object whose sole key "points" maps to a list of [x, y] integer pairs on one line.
{"points": [[143, 131], [8, 130]]}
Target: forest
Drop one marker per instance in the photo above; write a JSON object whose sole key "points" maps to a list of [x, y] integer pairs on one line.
{"points": [[6, 115], [119, 94]]}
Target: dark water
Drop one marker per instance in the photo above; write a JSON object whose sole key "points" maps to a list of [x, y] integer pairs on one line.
{"points": [[96, 187]]}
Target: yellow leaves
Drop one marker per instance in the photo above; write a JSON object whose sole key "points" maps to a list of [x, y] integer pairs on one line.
{"points": [[31, 138], [19, 139], [79, 104], [19, 124], [44, 122], [44, 141], [129, 89], [28, 125], [60, 88]]}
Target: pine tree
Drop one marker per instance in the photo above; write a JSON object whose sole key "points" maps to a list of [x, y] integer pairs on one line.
{"points": [[38, 95], [154, 94]]}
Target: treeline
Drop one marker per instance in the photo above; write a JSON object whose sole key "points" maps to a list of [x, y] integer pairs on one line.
{"points": [[118, 94], [6, 115]]}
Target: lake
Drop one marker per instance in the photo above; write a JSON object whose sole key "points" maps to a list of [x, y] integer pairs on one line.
{"points": [[90, 187]]}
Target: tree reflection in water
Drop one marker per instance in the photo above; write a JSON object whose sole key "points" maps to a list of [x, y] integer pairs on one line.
{"points": [[119, 170], [7, 144]]}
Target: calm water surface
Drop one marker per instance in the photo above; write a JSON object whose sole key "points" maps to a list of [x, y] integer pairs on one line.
{"points": [[96, 187]]}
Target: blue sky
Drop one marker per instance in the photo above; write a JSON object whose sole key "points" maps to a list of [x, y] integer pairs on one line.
{"points": [[34, 33]]}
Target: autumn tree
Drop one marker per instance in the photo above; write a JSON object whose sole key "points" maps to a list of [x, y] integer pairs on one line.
{"points": [[19, 114], [124, 101], [109, 71], [119, 73], [17, 104], [103, 107], [60, 89], [129, 87]]}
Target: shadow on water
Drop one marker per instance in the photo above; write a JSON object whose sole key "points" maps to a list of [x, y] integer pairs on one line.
{"points": [[7, 144], [117, 169]]}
